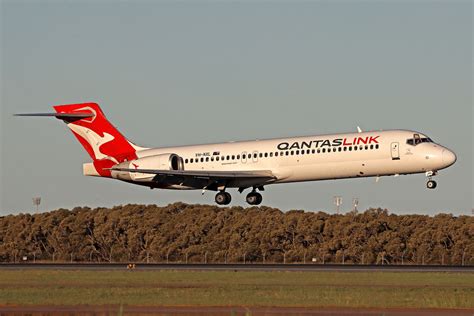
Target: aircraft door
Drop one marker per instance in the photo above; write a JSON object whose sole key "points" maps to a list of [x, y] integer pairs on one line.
{"points": [[395, 151], [244, 157]]}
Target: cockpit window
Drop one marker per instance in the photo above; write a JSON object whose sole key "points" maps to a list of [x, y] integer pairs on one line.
{"points": [[417, 139]]}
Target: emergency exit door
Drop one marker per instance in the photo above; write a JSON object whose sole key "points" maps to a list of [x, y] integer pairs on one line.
{"points": [[395, 151]]}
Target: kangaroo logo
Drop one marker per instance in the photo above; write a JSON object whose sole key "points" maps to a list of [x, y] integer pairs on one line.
{"points": [[95, 140]]}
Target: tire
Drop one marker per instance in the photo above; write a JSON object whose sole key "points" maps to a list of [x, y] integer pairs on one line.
{"points": [[228, 198], [221, 198], [431, 184], [254, 198], [251, 198]]}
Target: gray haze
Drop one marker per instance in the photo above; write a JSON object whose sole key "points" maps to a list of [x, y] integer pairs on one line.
{"points": [[184, 73]]}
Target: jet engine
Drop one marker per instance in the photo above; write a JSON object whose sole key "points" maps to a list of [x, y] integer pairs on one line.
{"points": [[156, 162]]}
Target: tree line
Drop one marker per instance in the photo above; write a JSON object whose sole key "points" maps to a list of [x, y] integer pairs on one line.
{"points": [[204, 233]]}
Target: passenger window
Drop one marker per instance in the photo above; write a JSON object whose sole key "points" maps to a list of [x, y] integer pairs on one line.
{"points": [[287, 153], [377, 146], [238, 157], [260, 155], [319, 151], [339, 149], [366, 147], [345, 148], [266, 155], [334, 149], [217, 158], [186, 160], [228, 157], [207, 159], [271, 154], [192, 160], [212, 158], [292, 152], [355, 147], [297, 152], [371, 146], [276, 153], [350, 148], [202, 159], [249, 156], [233, 157], [324, 150]]}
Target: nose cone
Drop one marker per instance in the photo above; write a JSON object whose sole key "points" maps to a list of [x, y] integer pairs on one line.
{"points": [[448, 157]]}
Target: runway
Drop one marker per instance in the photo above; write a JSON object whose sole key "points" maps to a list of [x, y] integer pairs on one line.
{"points": [[241, 267]]}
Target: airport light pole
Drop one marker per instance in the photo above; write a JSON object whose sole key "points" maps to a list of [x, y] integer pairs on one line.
{"points": [[338, 203], [355, 203], [36, 202]]}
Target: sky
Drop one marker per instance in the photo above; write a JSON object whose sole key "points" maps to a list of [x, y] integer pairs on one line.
{"points": [[177, 73]]}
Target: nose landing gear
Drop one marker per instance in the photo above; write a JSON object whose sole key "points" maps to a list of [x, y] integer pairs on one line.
{"points": [[431, 184]]}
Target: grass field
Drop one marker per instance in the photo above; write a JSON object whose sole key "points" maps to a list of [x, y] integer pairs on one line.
{"points": [[226, 288]]}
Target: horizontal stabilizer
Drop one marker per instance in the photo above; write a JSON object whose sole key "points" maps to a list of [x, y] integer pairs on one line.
{"points": [[62, 116]]}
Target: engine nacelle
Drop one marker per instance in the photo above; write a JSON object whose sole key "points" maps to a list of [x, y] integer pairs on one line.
{"points": [[157, 162]]}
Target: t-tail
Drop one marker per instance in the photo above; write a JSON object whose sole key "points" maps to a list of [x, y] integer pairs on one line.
{"points": [[104, 143]]}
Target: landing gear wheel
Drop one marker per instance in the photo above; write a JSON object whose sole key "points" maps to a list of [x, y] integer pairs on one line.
{"points": [[254, 198], [223, 198], [228, 197], [431, 184]]}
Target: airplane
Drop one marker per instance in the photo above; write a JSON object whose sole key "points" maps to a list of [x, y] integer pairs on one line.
{"points": [[250, 164]]}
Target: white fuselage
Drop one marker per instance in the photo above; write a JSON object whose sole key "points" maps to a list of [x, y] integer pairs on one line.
{"points": [[249, 164], [311, 158]]}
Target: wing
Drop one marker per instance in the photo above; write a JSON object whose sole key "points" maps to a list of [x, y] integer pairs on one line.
{"points": [[207, 178]]}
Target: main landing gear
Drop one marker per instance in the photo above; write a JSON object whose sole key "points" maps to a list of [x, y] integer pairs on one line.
{"points": [[254, 198], [431, 184], [223, 198]]}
